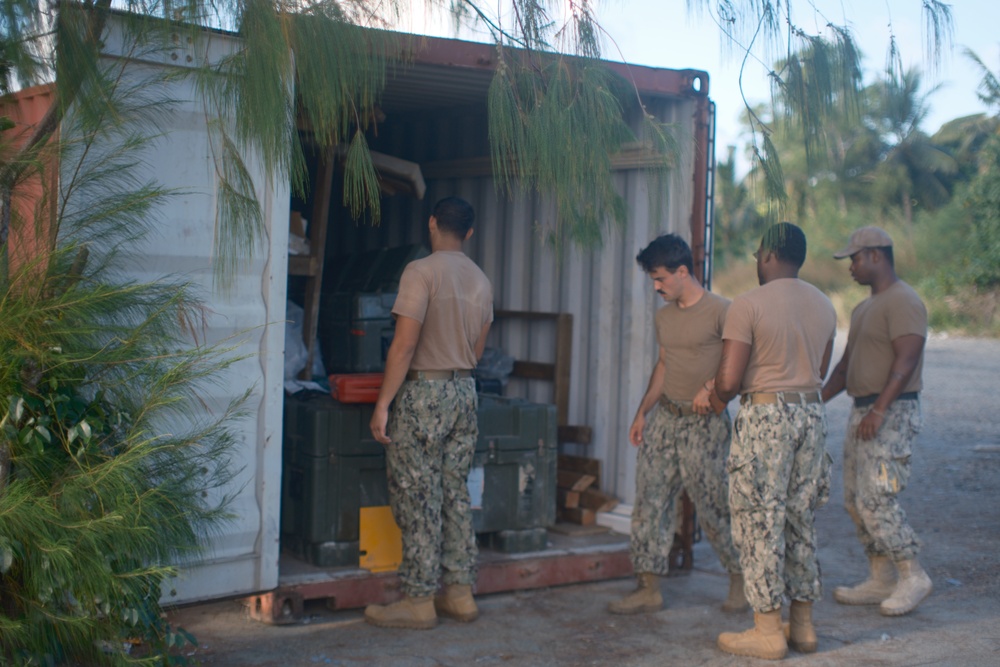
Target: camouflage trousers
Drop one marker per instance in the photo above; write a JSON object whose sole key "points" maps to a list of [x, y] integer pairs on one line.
{"points": [[875, 472], [433, 429], [779, 475], [681, 452]]}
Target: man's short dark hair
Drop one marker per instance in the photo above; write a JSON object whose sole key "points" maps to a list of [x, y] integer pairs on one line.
{"points": [[454, 216], [787, 242], [669, 252]]}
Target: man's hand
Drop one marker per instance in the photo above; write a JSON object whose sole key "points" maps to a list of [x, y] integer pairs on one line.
{"points": [[906, 351], [635, 433], [717, 404], [378, 423], [870, 425], [701, 402]]}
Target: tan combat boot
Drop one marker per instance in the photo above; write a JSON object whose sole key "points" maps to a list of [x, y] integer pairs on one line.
{"points": [[765, 640], [801, 634], [645, 598], [737, 600], [412, 613], [456, 602], [914, 585], [880, 584]]}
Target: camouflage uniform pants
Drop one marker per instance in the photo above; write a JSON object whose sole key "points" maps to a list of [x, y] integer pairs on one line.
{"points": [[433, 429], [875, 472], [686, 452], [779, 475]]}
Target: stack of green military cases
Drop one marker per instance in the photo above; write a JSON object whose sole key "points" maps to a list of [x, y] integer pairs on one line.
{"points": [[513, 480], [333, 468], [355, 323]]}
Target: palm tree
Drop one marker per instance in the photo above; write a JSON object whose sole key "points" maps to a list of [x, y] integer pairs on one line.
{"points": [[964, 138], [913, 168]]}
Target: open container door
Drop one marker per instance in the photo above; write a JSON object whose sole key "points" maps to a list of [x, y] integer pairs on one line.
{"points": [[248, 315]]}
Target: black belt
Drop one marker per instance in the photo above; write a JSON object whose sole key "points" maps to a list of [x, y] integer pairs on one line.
{"points": [[862, 401], [677, 409], [789, 397], [438, 375]]}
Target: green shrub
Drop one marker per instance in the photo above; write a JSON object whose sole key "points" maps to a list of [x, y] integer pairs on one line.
{"points": [[106, 480]]}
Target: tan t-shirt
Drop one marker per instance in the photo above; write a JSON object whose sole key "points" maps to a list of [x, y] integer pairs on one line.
{"points": [[788, 324], [691, 339], [453, 299], [875, 323]]}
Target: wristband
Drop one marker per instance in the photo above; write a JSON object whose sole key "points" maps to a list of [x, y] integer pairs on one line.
{"points": [[878, 412]]}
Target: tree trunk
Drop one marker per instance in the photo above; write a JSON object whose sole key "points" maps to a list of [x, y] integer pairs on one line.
{"points": [[907, 210]]}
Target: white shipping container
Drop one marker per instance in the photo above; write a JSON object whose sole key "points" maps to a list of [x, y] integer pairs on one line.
{"points": [[611, 300]]}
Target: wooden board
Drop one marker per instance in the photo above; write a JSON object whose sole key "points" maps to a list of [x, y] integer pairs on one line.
{"points": [[567, 498], [574, 481], [581, 435], [598, 501], [581, 464], [577, 515]]}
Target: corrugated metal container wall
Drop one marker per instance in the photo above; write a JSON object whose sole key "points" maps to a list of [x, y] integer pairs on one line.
{"points": [[610, 298], [243, 555]]}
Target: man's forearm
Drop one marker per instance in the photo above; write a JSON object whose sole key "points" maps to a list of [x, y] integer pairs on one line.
{"points": [[732, 365], [893, 387], [397, 364], [907, 351], [653, 389], [836, 382]]}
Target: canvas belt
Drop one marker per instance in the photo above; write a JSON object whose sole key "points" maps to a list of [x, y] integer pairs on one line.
{"points": [[862, 401], [789, 397], [438, 375], [677, 409]]}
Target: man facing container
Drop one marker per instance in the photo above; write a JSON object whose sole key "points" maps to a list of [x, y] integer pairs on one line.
{"points": [[443, 312], [686, 443], [777, 343], [881, 370]]}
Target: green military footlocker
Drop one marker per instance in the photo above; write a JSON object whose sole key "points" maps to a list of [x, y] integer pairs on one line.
{"points": [[332, 467]]}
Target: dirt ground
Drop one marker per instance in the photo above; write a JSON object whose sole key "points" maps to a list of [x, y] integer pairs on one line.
{"points": [[953, 502]]}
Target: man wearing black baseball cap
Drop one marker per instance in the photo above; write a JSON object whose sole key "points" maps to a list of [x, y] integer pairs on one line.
{"points": [[881, 370]]}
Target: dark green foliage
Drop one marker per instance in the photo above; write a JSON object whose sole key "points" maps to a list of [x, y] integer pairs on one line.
{"points": [[963, 139], [983, 204], [983, 200]]}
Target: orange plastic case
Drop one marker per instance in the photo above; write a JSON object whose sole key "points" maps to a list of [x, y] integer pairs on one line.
{"points": [[356, 387]]}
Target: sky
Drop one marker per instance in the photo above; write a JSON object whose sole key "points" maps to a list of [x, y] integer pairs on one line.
{"points": [[664, 33]]}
